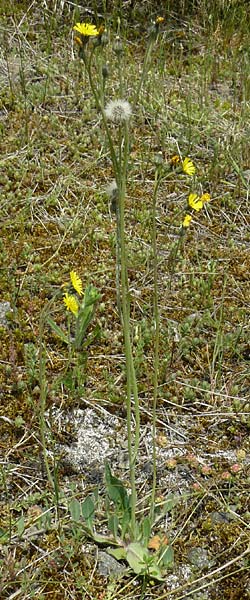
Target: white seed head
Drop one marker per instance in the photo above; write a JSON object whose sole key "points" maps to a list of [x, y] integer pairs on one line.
{"points": [[118, 111], [112, 189]]}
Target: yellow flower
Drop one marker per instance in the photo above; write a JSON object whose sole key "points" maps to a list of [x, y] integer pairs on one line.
{"points": [[175, 159], [159, 20], [195, 202], [205, 198], [71, 303], [188, 166], [186, 221], [76, 282], [86, 29]]}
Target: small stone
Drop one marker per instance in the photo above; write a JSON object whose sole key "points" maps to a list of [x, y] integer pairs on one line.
{"points": [[4, 309], [198, 557], [108, 566]]}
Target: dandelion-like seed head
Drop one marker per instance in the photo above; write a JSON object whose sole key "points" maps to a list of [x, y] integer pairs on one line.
{"points": [[112, 192], [112, 189], [118, 111], [71, 303], [186, 221], [188, 166], [76, 282]]}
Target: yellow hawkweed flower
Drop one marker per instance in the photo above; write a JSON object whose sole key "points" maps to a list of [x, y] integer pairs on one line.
{"points": [[76, 282], [188, 166], [195, 202], [175, 159], [159, 20], [86, 29], [71, 303], [205, 198], [186, 221]]}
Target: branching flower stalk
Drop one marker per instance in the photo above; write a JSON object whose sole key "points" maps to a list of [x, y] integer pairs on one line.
{"points": [[120, 111]]}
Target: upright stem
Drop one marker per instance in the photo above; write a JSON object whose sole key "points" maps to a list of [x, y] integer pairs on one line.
{"points": [[43, 397], [130, 370], [120, 166], [156, 339]]}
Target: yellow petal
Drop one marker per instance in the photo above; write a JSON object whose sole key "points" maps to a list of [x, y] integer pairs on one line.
{"points": [[86, 29], [195, 202], [186, 221], [71, 304], [188, 166], [159, 20], [205, 198], [76, 282]]}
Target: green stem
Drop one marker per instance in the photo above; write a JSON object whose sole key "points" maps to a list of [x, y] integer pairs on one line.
{"points": [[115, 163], [130, 370], [43, 397], [156, 318], [144, 72]]}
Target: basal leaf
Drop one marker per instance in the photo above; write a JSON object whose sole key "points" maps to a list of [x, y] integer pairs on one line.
{"points": [[136, 556], [88, 511], [75, 509], [58, 330], [118, 553]]}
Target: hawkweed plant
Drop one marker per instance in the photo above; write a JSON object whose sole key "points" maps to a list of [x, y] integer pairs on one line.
{"points": [[117, 115]]}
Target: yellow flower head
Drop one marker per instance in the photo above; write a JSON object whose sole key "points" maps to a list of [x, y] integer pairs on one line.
{"points": [[188, 166], [195, 202], [205, 198], [186, 221], [86, 29], [175, 160], [159, 20], [76, 282], [101, 29], [71, 303], [78, 41]]}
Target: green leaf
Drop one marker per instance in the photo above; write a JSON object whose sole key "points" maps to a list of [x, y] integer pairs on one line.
{"points": [[58, 330], [20, 526], [167, 557], [142, 562], [136, 556], [85, 314], [118, 553], [146, 530], [113, 525], [75, 509], [125, 522], [116, 490], [88, 511]]}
